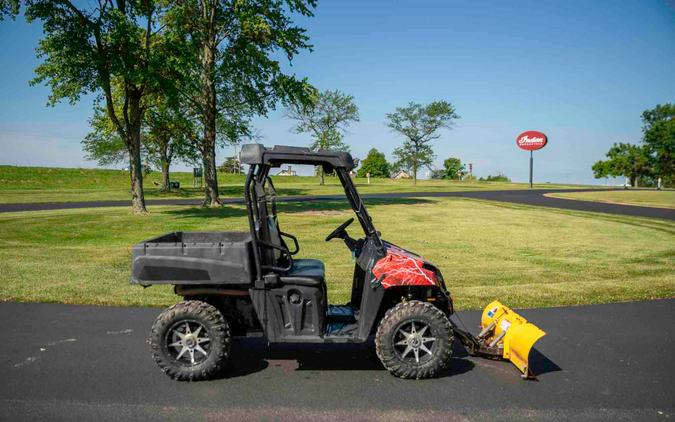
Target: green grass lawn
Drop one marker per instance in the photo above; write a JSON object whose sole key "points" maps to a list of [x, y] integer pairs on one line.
{"points": [[525, 256], [42, 184], [645, 198]]}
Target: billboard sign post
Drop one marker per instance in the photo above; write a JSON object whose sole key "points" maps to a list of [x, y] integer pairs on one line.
{"points": [[531, 140]]}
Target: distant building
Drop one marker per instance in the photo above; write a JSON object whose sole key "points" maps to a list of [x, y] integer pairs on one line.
{"points": [[401, 174], [287, 172]]}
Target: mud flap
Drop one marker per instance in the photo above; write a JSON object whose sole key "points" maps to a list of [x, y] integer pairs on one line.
{"points": [[505, 331]]}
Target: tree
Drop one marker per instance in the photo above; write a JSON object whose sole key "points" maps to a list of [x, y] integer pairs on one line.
{"points": [[103, 143], [659, 139], [627, 160], [326, 118], [453, 168], [231, 70], [231, 165], [167, 134], [404, 159], [437, 174], [376, 164], [164, 137], [653, 159], [88, 48], [419, 124]]}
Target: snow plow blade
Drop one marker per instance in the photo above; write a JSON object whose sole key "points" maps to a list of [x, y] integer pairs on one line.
{"points": [[504, 335], [511, 334]]}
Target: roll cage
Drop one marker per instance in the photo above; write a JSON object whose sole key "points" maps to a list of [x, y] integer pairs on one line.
{"points": [[260, 195]]}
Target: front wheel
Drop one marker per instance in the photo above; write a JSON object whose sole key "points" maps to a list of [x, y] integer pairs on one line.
{"points": [[414, 340], [190, 341]]}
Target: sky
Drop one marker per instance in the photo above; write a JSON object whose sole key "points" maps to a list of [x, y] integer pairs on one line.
{"points": [[582, 72]]}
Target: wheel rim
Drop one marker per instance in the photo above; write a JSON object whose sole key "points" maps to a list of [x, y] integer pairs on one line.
{"points": [[188, 342], [412, 342]]}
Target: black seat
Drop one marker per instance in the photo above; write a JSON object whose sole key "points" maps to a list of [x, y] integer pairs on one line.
{"points": [[306, 272]]}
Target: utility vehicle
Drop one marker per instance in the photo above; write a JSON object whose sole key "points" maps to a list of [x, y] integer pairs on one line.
{"points": [[250, 283]]}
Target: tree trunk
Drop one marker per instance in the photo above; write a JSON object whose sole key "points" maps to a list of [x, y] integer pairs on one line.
{"points": [[211, 198], [165, 164], [321, 175], [210, 178], [134, 147], [130, 132], [165, 176], [414, 172], [136, 174]]}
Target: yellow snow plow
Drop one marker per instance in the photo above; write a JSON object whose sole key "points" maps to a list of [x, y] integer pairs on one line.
{"points": [[504, 334]]}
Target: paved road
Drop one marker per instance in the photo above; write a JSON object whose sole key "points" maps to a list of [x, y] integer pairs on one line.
{"points": [[528, 197], [603, 362]]}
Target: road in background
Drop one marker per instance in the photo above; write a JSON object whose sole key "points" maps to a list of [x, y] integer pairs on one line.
{"points": [[528, 197]]}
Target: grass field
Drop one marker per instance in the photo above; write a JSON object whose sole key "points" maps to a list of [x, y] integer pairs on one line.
{"points": [[41, 184], [645, 198], [526, 256]]}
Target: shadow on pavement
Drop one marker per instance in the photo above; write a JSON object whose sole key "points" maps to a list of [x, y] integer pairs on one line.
{"points": [[540, 364], [251, 355]]}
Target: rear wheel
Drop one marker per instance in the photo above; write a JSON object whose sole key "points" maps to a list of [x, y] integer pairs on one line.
{"points": [[190, 341], [414, 340]]}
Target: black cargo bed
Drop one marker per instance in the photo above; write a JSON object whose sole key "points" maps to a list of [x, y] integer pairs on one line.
{"points": [[193, 258]]}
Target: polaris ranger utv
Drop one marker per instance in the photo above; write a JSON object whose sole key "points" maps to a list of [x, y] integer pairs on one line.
{"points": [[250, 284]]}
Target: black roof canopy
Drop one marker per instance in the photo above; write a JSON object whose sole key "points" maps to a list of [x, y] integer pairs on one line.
{"points": [[275, 157]]}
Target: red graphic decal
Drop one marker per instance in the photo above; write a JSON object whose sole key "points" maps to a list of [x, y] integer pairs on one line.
{"points": [[401, 268]]}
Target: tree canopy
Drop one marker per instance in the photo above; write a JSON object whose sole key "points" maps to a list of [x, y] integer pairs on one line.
{"points": [[326, 118], [419, 124], [650, 160], [453, 168], [103, 143], [624, 159], [231, 165], [221, 59], [376, 164], [659, 140], [230, 68]]}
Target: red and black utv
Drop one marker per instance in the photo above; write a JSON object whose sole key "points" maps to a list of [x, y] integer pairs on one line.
{"points": [[249, 284]]}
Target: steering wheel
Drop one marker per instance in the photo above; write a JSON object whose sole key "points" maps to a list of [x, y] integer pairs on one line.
{"points": [[340, 229]]}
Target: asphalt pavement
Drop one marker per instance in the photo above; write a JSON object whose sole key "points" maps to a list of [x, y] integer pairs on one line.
{"points": [[535, 197], [601, 362]]}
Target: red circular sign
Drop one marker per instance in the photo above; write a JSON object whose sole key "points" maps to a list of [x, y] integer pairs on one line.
{"points": [[531, 140]]}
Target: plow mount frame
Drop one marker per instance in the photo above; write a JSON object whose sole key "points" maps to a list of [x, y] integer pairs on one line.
{"points": [[476, 346]]}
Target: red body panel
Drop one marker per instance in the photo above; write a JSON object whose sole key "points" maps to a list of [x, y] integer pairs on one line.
{"points": [[402, 268]]}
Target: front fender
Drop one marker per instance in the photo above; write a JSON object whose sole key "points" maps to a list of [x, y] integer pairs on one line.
{"points": [[403, 268]]}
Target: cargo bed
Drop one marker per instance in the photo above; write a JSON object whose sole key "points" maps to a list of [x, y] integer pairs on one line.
{"points": [[191, 258]]}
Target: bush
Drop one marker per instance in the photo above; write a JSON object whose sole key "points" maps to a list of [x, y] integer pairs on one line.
{"points": [[498, 178]]}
